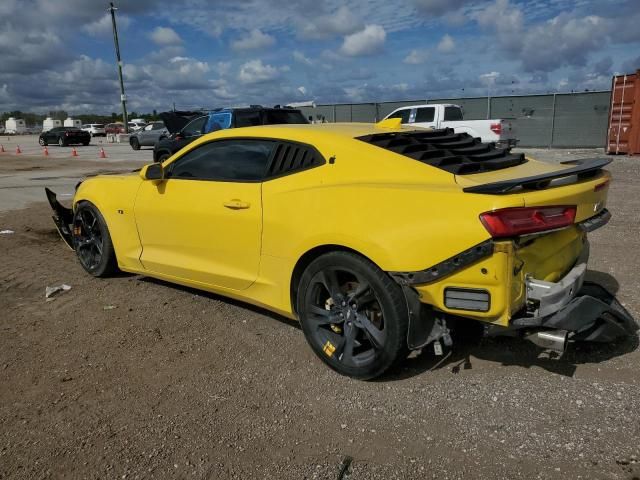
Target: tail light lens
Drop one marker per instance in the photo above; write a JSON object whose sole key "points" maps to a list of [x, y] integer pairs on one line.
{"points": [[496, 128], [511, 222]]}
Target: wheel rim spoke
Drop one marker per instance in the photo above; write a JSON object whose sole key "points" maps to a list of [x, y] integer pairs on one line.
{"points": [[330, 281], [349, 341], [322, 316], [375, 335]]}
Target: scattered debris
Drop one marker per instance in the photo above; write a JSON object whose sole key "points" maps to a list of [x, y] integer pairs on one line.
{"points": [[50, 291], [6, 232], [344, 468]]}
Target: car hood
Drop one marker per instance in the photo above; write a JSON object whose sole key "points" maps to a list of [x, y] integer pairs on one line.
{"points": [[175, 121]]}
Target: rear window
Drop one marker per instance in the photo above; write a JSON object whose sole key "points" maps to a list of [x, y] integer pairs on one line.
{"points": [[425, 114], [97, 125], [275, 117], [452, 114], [457, 153]]}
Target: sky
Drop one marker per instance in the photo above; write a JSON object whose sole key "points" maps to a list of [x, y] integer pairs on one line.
{"points": [[59, 55]]}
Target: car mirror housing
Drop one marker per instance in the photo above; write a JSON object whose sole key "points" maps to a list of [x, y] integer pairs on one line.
{"points": [[152, 172]]}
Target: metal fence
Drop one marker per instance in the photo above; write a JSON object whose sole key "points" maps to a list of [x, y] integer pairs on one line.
{"points": [[556, 120]]}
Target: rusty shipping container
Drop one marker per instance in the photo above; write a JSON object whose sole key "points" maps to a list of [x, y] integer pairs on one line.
{"points": [[623, 135]]}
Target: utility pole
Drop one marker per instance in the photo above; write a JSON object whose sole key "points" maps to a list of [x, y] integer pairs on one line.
{"points": [[123, 97]]}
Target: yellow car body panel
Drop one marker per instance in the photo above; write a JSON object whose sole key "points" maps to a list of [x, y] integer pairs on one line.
{"points": [[400, 213]]}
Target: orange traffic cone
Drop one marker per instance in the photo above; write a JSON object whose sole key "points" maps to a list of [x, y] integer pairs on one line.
{"points": [[2, 150], [45, 151], [74, 152], [18, 151], [102, 153]]}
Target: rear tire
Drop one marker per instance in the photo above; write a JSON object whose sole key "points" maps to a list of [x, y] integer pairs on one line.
{"points": [[61, 142], [92, 242], [86, 143], [353, 315]]}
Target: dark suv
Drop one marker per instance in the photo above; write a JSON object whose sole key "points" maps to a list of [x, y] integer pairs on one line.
{"points": [[185, 127]]}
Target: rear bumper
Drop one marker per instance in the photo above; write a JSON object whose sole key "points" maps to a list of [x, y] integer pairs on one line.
{"points": [[584, 309]]}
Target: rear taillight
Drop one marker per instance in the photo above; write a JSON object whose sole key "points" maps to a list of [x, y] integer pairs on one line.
{"points": [[496, 128], [511, 222]]}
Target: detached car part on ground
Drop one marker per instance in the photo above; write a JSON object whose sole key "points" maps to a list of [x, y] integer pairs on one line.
{"points": [[374, 237], [185, 127]]}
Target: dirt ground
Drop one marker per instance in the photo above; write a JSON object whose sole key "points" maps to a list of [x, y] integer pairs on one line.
{"points": [[131, 377]]}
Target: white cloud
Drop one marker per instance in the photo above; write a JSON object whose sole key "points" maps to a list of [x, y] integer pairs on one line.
{"points": [[365, 42], [103, 26], [255, 39], [165, 36], [447, 44], [340, 22], [298, 56], [417, 56], [254, 71]]}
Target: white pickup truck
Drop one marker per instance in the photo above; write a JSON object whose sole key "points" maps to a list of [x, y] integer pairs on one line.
{"points": [[447, 115]]}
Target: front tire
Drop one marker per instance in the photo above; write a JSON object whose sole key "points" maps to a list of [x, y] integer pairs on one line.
{"points": [[135, 144], [42, 142], [163, 156], [353, 315], [92, 241]]}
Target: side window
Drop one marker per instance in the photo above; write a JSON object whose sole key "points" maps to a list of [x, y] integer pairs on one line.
{"points": [[225, 160], [425, 114], [148, 127], [452, 114], [222, 119], [194, 128], [249, 118], [403, 114]]}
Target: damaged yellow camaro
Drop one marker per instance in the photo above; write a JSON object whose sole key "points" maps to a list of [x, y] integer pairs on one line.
{"points": [[373, 236]]}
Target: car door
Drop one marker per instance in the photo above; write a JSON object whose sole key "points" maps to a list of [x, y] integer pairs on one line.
{"points": [[146, 136], [203, 222], [52, 135]]}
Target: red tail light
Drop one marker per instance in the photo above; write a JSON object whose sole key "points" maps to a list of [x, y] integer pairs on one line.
{"points": [[511, 222], [496, 128]]}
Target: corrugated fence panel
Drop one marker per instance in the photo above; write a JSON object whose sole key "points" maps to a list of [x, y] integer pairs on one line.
{"points": [[363, 112], [472, 108], [581, 119], [343, 113], [533, 114]]}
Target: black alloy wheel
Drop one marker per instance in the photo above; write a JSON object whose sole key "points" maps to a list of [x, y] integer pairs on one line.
{"points": [[353, 315], [92, 241]]}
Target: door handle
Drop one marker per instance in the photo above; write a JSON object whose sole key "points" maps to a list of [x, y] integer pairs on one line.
{"points": [[236, 204]]}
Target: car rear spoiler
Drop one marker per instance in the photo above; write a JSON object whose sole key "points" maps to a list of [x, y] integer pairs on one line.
{"points": [[586, 168]]}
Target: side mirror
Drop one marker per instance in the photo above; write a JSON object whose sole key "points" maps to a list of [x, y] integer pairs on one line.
{"points": [[152, 172]]}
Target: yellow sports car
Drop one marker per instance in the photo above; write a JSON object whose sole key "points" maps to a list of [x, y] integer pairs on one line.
{"points": [[374, 236]]}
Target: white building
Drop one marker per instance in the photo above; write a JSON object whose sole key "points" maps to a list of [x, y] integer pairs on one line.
{"points": [[50, 123], [15, 125], [72, 122]]}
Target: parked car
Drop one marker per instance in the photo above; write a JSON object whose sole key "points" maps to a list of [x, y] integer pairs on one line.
{"points": [[446, 115], [64, 136], [114, 128], [94, 129], [185, 127], [136, 126], [375, 237], [148, 136]]}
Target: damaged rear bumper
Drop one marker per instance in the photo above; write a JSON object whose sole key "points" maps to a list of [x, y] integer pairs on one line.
{"points": [[62, 217]]}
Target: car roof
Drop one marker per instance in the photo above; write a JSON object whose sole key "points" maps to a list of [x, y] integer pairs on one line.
{"points": [[306, 133]]}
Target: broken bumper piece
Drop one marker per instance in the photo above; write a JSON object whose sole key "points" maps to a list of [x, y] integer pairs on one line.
{"points": [[62, 217]]}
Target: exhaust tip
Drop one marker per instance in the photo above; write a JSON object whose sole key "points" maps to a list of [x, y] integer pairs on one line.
{"points": [[555, 340]]}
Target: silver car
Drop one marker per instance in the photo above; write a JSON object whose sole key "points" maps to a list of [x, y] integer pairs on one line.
{"points": [[148, 136]]}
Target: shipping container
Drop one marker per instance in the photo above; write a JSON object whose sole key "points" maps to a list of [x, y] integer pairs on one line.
{"points": [[624, 115]]}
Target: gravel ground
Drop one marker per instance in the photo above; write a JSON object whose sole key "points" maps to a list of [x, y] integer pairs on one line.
{"points": [[131, 377]]}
